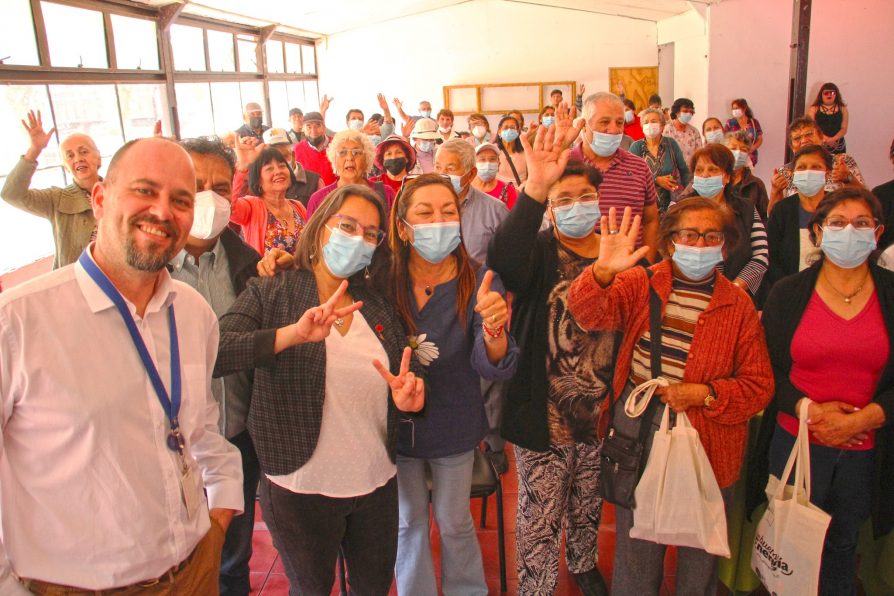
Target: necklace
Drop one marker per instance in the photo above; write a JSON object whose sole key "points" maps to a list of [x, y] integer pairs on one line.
{"points": [[847, 297], [428, 286]]}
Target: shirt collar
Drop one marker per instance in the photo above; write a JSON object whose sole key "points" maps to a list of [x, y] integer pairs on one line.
{"points": [[214, 255]]}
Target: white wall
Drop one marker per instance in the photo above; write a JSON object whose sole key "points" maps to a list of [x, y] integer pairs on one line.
{"points": [[689, 33], [487, 41], [850, 46]]}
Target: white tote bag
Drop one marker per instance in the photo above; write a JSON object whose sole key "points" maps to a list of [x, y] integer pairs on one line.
{"points": [[678, 500], [788, 543]]}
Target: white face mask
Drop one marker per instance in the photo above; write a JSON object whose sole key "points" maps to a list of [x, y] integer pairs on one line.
{"points": [[652, 129], [443, 130], [737, 113], [211, 215], [355, 124], [479, 131]]}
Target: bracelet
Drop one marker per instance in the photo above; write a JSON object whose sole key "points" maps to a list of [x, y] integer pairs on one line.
{"points": [[493, 333]]}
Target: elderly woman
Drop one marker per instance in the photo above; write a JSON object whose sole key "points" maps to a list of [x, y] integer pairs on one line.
{"points": [[512, 156], [455, 314], [395, 157], [679, 129], [743, 119], [352, 155], [830, 331], [663, 156], [269, 220], [553, 403], [479, 129], [487, 163], [324, 401], [712, 130], [745, 183], [713, 354]]}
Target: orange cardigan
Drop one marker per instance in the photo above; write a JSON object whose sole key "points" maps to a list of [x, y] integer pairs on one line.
{"points": [[728, 350]]}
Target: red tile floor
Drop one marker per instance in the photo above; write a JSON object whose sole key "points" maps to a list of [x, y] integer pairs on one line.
{"points": [[268, 576]]}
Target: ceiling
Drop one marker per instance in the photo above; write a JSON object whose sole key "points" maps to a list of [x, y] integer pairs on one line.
{"points": [[317, 18]]}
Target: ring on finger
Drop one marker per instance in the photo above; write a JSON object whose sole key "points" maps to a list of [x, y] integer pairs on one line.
{"points": [[613, 232]]}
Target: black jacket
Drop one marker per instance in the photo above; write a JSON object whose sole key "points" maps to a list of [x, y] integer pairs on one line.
{"points": [[885, 194], [242, 258], [784, 238], [781, 317]]}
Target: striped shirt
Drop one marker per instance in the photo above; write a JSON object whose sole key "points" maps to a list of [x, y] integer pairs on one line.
{"points": [[685, 304], [753, 271], [627, 182]]}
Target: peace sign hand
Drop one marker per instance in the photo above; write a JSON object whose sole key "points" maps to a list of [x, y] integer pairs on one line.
{"points": [[616, 246], [39, 138], [490, 304], [407, 390], [547, 157], [316, 322]]}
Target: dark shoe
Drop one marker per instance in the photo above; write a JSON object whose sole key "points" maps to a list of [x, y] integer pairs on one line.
{"points": [[497, 459], [591, 583]]}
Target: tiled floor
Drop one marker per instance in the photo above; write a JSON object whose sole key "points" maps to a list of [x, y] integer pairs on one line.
{"points": [[268, 576]]}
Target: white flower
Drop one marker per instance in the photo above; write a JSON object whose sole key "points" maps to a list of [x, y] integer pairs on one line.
{"points": [[426, 352]]}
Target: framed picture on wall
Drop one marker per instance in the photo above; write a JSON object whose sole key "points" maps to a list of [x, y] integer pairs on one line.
{"points": [[638, 83]]}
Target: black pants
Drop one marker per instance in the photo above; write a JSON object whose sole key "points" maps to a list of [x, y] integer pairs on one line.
{"points": [[307, 530], [234, 571]]}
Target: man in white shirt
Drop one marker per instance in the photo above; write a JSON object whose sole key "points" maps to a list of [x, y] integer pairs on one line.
{"points": [[109, 428]]}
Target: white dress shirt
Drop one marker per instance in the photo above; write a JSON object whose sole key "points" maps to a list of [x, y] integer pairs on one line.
{"points": [[89, 492]]}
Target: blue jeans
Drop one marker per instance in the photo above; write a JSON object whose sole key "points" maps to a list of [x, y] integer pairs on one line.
{"points": [[234, 572], [840, 485], [462, 572]]}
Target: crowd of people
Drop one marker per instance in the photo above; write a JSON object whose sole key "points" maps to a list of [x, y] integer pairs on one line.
{"points": [[359, 311]]}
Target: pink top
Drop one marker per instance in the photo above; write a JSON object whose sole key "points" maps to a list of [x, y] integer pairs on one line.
{"points": [[834, 359], [251, 213], [511, 194]]}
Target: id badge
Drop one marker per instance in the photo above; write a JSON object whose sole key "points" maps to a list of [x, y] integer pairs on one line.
{"points": [[190, 483]]}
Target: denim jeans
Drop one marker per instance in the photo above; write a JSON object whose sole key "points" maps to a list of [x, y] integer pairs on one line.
{"points": [[308, 529], [234, 572], [841, 485], [462, 571]]}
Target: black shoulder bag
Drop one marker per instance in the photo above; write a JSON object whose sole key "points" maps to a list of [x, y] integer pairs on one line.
{"points": [[627, 442]]}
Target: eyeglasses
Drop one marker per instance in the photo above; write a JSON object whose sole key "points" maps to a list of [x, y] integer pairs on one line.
{"points": [[807, 136], [861, 223], [689, 237], [355, 153], [352, 227], [832, 93], [564, 202], [409, 179]]}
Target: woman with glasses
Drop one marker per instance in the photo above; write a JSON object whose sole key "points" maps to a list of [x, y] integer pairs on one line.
{"points": [[455, 314], [743, 119], [830, 331], [830, 114], [788, 230], [663, 156], [552, 405], [331, 372], [352, 155], [713, 355]]}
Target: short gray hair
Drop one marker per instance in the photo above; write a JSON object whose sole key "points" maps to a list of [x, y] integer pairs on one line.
{"points": [[461, 148], [742, 136], [591, 101], [648, 111], [369, 150]]}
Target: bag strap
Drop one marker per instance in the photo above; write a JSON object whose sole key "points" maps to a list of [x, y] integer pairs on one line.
{"points": [[511, 165], [654, 327]]}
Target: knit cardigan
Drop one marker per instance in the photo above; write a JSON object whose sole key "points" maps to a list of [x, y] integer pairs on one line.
{"points": [[728, 351]]}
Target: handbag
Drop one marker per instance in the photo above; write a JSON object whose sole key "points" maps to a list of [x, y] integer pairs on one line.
{"points": [[788, 543], [628, 438], [678, 498]]}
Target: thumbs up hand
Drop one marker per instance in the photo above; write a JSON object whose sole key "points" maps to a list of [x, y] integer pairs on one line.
{"points": [[490, 304]]}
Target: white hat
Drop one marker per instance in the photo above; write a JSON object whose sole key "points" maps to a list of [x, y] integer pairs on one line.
{"points": [[426, 129], [276, 136], [490, 146]]}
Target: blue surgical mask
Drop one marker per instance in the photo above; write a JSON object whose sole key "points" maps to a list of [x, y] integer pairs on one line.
{"points": [[425, 146], [628, 116], [809, 182], [579, 220], [376, 139], [741, 159], [435, 241], [715, 136], [457, 183], [425, 113], [707, 186], [509, 134], [549, 121], [346, 255], [848, 248], [697, 263], [355, 124], [605, 145], [487, 171], [684, 117]]}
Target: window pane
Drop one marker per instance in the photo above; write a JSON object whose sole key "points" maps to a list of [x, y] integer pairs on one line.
{"points": [[15, 101], [189, 47], [89, 109], [17, 42], [136, 45], [295, 90], [310, 65], [141, 106], [311, 95], [87, 48], [293, 58], [194, 109], [220, 51], [279, 104], [25, 238], [248, 59], [274, 57], [227, 102]]}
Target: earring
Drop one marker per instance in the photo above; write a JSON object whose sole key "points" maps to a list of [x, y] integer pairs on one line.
{"points": [[366, 274]]}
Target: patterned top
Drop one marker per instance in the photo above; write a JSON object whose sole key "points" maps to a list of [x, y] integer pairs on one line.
{"points": [[689, 139], [686, 302], [753, 128], [853, 169], [278, 234]]}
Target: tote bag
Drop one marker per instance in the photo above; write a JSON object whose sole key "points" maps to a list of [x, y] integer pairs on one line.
{"points": [[788, 544], [678, 500]]}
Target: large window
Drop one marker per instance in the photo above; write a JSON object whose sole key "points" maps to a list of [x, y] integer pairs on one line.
{"points": [[87, 48]]}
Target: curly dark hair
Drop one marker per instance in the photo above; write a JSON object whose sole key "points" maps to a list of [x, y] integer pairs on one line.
{"points": [[213, 147]]}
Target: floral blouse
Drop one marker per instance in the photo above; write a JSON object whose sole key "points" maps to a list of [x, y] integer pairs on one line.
{"points": [[688, 139], [278, 234]]}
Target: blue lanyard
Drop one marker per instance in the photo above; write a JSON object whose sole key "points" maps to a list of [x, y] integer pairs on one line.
{"points": [[171, 406]]}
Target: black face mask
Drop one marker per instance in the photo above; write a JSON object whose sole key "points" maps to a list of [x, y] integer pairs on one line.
{"points": [[395, 166], [255, 122], [315, 141]]}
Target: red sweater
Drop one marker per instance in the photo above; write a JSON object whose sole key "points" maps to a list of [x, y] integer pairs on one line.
{"points": [[315, 161], [728, 350]]}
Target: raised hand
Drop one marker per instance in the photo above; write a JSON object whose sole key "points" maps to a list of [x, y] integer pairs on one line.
{"points": [[583, 90], [397, 103], [371, 128], [274, 261], [247, 149], [324, 105], [39, 138], [548, 155], [617, 246], [407, 391], [490, 304], [316, 323], [383, 103], [156, 130]]}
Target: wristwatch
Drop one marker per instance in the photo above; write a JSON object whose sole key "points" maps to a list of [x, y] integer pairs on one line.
{"points": [[710, 399]]}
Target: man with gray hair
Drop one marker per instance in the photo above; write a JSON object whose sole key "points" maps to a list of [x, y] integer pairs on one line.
{"points": [[626, 179], [254, 126], [68, 209]]}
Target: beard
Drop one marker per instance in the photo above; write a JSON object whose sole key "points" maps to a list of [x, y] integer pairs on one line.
{"points": [[143, 259]]}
